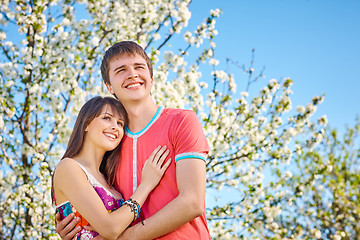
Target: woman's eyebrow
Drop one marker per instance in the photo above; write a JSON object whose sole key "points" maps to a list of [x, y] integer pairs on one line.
{"points": [[107, 114]]}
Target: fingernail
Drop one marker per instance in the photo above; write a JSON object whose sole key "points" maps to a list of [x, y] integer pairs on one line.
{"points": [[77, 219]]}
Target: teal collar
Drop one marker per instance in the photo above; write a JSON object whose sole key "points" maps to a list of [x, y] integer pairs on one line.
{"points": [[152, 121]]}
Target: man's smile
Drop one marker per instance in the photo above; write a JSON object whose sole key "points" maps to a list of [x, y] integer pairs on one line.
{"points": [[133, 85]]}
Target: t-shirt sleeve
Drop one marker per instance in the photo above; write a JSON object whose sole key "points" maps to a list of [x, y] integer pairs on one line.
{"points": [[188, 137]]}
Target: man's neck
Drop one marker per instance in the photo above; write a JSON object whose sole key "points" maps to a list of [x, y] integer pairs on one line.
{"points": [[140, 115]]}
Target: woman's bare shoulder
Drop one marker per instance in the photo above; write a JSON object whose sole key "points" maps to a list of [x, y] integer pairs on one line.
{"points": [[67, 166]]}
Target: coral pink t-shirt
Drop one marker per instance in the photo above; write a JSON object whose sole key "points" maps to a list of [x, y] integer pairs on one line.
{"points": [[180, 130]]}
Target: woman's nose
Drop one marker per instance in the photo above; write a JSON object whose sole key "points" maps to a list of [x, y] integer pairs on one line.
{"points": [[114, 126]]}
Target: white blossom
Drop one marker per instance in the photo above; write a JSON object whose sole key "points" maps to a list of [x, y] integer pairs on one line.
{"points": [[323, 120], [215, 12], [248, 134], [300, 109], [288, 174], [214, 62]]}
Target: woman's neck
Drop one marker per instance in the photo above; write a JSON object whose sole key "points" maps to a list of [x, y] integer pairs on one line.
{"points": [[90, 157]]}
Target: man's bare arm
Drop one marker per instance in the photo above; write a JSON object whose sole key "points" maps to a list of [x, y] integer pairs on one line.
{"points": [[189, 204]]}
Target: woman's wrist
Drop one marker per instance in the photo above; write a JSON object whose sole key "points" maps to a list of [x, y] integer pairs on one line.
{"points": [[146, 187], [142, 192]]}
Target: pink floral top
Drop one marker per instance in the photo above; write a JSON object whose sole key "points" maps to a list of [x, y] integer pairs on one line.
{"points": [[110, 201]]}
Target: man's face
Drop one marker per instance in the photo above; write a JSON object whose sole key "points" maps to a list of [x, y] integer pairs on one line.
{"points": [[130, 78]]}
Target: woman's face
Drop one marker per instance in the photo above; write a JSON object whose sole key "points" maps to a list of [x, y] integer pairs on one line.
{"points": [[106, 130]]}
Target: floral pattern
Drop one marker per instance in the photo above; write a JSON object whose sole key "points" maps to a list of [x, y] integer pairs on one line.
{"points": [[111, 203]]}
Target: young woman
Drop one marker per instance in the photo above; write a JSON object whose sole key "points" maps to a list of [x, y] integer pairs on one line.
{"points": [[86, 173]]}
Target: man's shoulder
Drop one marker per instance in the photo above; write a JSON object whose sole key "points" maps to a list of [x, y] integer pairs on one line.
{"points": [[180, 117], [177, 112]]}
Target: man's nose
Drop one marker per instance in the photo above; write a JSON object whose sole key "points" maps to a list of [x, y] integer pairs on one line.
{"points": [[133, 74]]}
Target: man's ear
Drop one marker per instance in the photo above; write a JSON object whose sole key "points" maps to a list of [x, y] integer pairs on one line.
{"points": [[109, 88]]}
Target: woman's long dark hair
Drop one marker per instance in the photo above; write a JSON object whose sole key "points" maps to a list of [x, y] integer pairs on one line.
{"points": [[88, 112]]}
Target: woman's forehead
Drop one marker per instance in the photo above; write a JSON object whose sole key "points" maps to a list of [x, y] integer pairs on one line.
{"points": [[110, 110]]}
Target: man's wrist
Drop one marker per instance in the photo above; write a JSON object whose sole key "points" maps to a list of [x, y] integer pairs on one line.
{"points": [[126, 235]]}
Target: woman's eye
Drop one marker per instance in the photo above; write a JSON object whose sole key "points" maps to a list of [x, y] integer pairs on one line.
{"points": [[121, 124], [106, 118]]}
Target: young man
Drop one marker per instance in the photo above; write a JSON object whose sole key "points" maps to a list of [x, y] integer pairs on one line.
{"points": [[176, 207]]}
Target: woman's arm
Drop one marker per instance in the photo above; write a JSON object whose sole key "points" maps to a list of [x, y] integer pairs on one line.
{"points": [[72, 182]]}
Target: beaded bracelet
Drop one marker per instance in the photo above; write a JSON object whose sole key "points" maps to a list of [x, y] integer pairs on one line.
{"points": [[139, 212], [135, 207], [132, 207]]}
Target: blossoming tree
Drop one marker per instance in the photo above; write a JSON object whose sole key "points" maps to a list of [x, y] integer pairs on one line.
{"points": [[50, 56], [324, 189]]}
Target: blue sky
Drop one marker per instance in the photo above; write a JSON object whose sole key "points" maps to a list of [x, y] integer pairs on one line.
{"points": [[314, 42]]}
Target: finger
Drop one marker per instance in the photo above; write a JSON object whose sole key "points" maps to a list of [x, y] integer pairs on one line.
{"points": [[57, 218], [162, 158], [67, 229], [72, 234], [61, 224], [159, 154], [89, 228], [152, 155], [166, 165]]}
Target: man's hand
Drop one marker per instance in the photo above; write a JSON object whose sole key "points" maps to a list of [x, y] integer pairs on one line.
{"points": [[66, 227]]}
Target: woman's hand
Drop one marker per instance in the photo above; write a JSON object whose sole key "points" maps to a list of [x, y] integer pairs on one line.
{"points": [[154, 167]]}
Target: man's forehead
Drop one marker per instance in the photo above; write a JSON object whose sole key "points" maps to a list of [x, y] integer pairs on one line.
{"points": [[126, 58]]}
